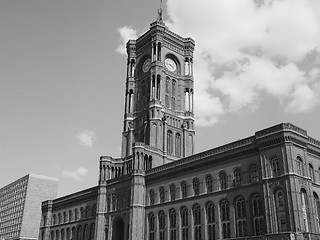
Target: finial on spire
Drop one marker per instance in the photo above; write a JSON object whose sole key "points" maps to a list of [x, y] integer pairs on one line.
{"points": [[160, 13]]}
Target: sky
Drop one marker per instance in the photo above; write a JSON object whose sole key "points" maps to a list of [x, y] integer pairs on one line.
{"points": [[63, 69]]}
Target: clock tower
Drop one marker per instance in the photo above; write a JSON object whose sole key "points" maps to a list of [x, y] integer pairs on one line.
{"points": [[159, 95]]}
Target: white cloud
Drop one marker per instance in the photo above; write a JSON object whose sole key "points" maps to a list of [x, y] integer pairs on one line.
{"points": [[86, 138], [126, 33], [77, 174]]}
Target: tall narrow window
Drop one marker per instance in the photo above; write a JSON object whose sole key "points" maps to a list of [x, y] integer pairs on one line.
{"points": [[254, 176], [173, 224], [299, 166], [162, 194], [70, 216], [172, 192], [68, 234], [317, 204], [185, 223], [210, 221], [169, 142], [257, 208], [151, 227], [275, 167], [197, 222], [237, 177], [173, 95], [76, 214], [178, 145], [64, 217], [167, 97], [281, 210], [151, 196], [86, 232], [209, 184], [162, 225], [305, 209], [79, 233], [196, 186], [183, 189], [223, 180], [62, 235], [225, 219], [311, 171], [241, 223]]}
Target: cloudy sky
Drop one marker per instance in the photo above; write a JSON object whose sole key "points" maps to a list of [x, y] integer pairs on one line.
{"points": [[257, 63]]}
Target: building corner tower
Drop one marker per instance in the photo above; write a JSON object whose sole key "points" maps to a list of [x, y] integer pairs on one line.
{"points": [[158, 128], [159, 95]]}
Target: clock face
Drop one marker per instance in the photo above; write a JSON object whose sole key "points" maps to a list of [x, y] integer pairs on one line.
{"points": [[170, 64], [146, 65]]}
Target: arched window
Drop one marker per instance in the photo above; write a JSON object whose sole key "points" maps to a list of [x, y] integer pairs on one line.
{"points": [[223, 180], [70, 216], [317, 204], [178, 145], [87, 213], [183, 189], [311, 171], [79, 233], [92, 231], [299, 166], [76, 214], [237, 177], [257, 208], [173, 95], [275, 167], [65, 217], [151, 196], [57, 235], [172, 192], [254, 176], [280, 210], [209, 184], [210, 221], [241, 217], [54, 219], [185, 223], [162, 194], [52, 235], [62, 235], [86, 232], [167, 97], [197, 222], [114, 202], [196, 186], [151, 226], [225, 219], [68, 234], [81, 213], [169, 142], [108, 204], [173, 224], [73, 233], [305, 210], [94, 210], [162, 225]]}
